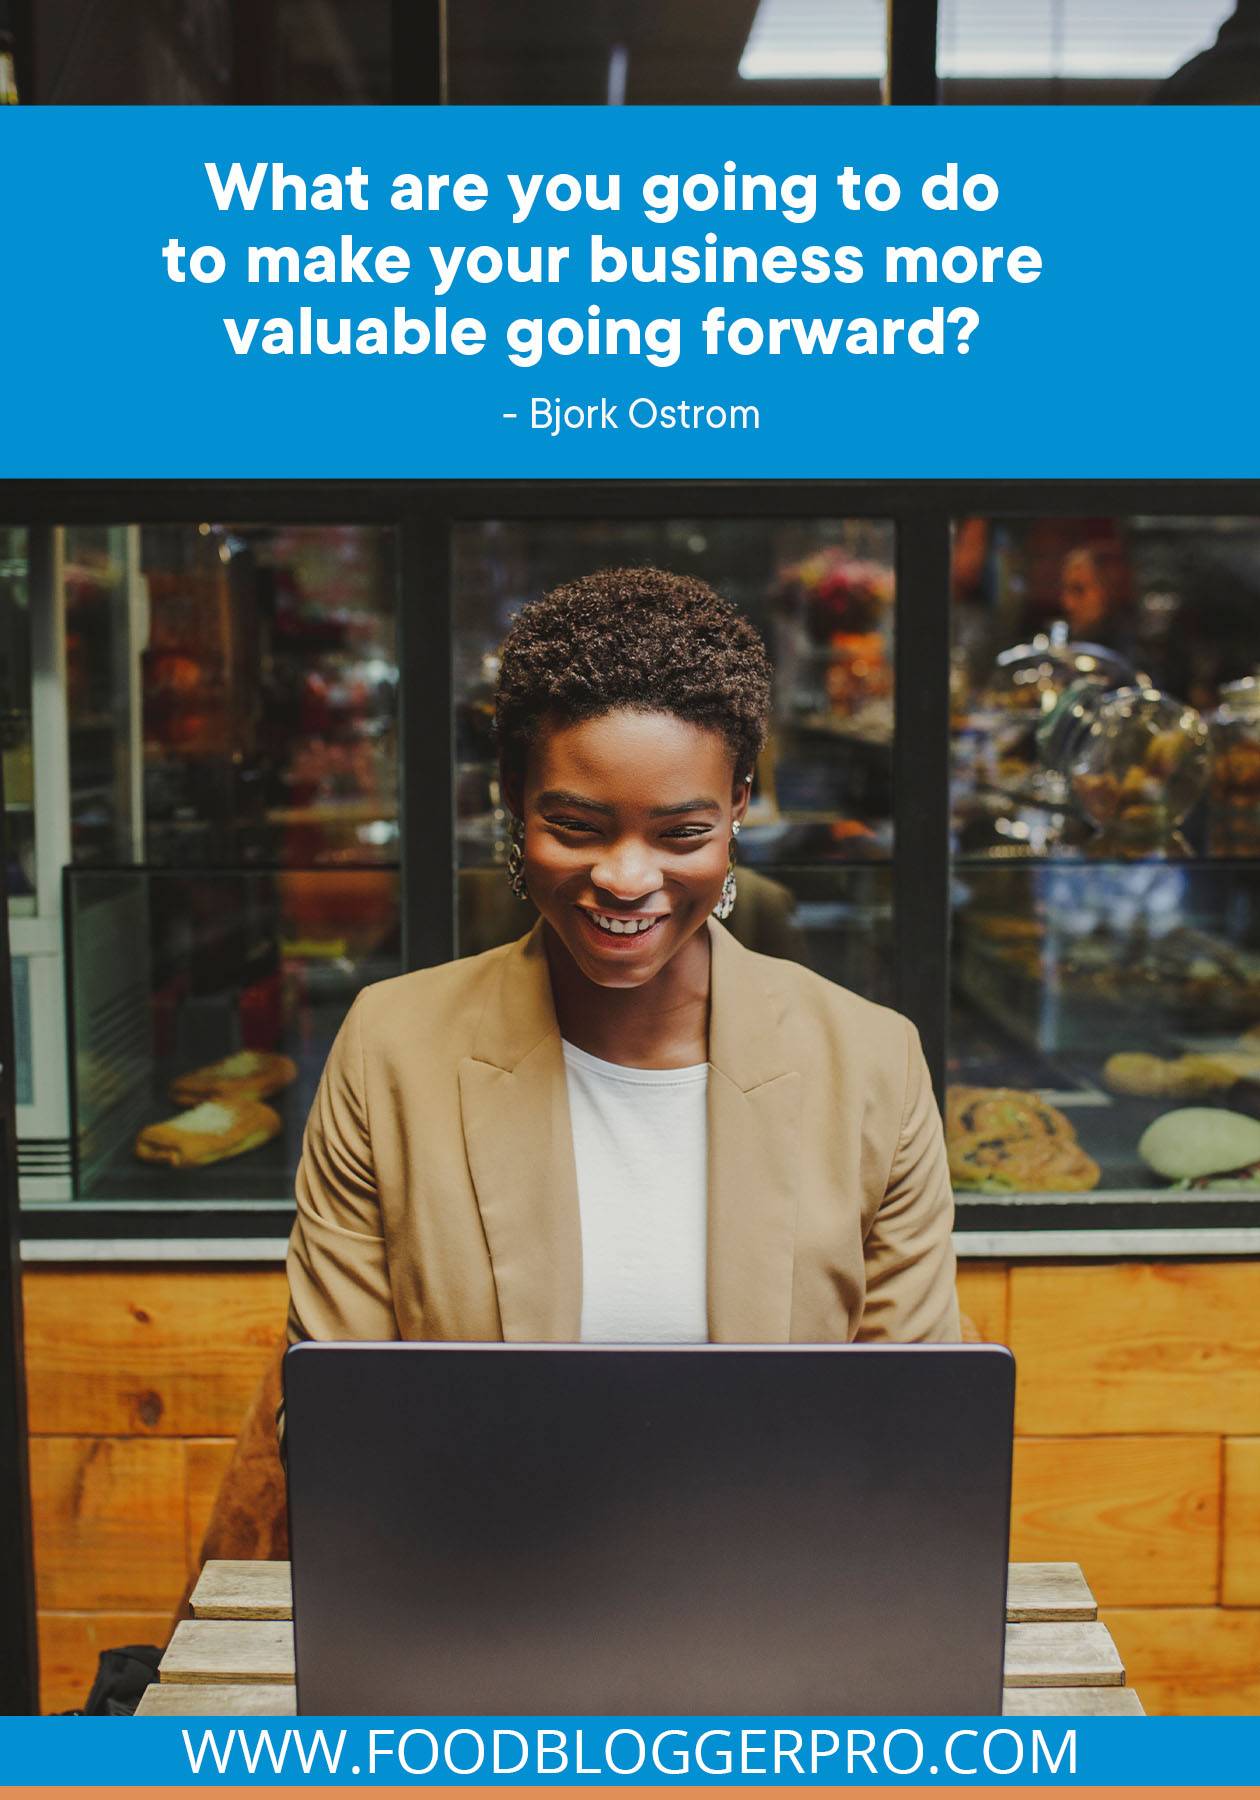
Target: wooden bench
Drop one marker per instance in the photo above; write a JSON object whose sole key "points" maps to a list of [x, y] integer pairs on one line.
{"points": [[235, 1655]]}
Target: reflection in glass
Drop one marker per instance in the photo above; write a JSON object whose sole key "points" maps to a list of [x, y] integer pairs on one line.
{"points": [[332, 52], [232, 694], [133, 52], [206, 52], [1106, 935], [818, 837]]}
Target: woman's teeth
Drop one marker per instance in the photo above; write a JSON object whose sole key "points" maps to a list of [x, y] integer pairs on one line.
{"points": [[623, 927]]}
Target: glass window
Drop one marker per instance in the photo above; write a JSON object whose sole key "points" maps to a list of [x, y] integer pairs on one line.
{"points": [[1105, 1008], [815, 850]]}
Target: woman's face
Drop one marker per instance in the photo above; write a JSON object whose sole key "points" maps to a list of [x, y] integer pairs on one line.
{"points": [[627, 834], [1083, 595]]}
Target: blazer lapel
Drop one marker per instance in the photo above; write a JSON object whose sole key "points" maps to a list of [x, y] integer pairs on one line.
{"points": [[754, 1120], [515, 1107]]}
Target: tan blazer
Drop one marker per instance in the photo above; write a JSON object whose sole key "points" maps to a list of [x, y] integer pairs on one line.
{"points": [[436, 1196]]}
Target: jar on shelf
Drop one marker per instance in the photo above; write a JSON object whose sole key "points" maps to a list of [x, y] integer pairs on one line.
{"points": [[1234, 819], [1135, 760], [1026, 686]]}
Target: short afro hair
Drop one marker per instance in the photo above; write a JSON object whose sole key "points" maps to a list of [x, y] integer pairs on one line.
{"points": [[638, 638]]}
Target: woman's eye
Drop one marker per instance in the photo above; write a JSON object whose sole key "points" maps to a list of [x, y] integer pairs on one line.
{"points": [[572, 824], [690, 831]]}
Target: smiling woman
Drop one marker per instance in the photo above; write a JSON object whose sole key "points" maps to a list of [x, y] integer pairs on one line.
{"points": [[625, 1127]]}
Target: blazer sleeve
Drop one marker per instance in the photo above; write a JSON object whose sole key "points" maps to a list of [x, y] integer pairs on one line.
{"points": [[911, 1292], [337, 1263]]}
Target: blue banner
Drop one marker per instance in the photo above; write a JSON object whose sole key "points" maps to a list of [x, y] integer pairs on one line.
{"points": [[619, 1751], [637, 292]]}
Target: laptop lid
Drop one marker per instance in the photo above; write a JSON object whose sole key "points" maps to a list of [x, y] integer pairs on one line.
{"points": [[507, 1529]]}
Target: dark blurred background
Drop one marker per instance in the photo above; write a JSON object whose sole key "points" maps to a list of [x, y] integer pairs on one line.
{"points": [[331, 52]]}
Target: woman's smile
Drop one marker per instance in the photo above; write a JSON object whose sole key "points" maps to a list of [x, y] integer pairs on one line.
{"points": [[620, 932]]}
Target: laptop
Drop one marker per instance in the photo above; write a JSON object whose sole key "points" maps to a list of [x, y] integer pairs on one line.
{"points": [[579, 1529]]}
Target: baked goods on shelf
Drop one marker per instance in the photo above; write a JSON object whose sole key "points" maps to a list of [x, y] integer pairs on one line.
{"points": [[1009, 1141], [1204, 1147], [1179, 1077], [208, 1133], [1186, 975], [246, 1075]]}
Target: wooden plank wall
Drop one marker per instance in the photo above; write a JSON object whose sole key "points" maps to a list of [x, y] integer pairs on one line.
{"points": [[137, 1381], [1137, 1454]]}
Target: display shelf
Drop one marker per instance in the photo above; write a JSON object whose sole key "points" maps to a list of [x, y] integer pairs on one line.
{"points": [[172, 1221], [1081, 856]]}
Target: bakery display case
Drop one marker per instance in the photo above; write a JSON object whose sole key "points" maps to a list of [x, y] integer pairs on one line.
{"points": [[1012, 787], [1105, 995]]}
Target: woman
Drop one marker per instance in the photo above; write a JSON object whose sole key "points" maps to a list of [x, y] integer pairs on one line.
{"points": [[624, 1127]]}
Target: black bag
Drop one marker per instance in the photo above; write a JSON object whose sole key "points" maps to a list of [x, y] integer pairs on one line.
{"points": [[121, 1677]]}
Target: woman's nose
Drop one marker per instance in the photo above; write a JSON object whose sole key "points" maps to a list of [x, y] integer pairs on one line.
{"points": [[626, 872]]}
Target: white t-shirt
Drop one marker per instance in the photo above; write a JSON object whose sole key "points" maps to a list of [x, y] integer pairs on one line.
{"points": [[640, 1145]]}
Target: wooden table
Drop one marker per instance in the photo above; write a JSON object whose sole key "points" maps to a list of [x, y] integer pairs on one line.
{"points": [[235, 1655]]}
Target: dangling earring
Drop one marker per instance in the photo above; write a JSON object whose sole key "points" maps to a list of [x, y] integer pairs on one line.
{"points": [[726, 900], [516, 857]]}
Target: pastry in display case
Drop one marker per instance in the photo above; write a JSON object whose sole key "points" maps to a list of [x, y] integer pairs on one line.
{"points": [[246, 1075], [1179, 1077], [1003, 1140], [1204, 1149], [208, 1133]]}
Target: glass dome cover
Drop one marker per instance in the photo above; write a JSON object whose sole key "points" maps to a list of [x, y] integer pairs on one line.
{"points": [[1031, 677], [1135, 759]]}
